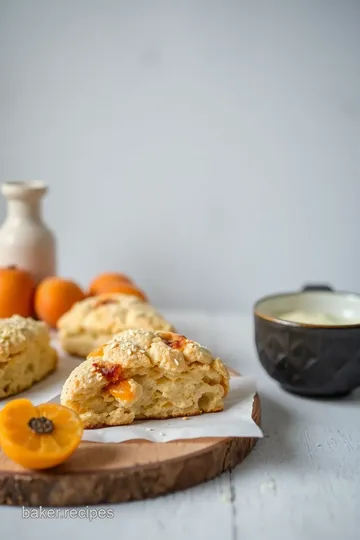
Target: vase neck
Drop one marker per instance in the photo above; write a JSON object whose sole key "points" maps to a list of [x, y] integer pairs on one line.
{"points": [[24, 210], [24, 200]]}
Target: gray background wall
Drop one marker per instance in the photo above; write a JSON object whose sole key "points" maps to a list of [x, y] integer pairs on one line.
{"points": [[209, 148]]}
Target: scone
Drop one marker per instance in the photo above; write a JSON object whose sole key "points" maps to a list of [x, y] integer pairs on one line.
{"points": [[94, 321], [144, 374], [25, 354]]}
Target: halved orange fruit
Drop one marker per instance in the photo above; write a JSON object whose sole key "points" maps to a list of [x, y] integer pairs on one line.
{"points": [[39, 437]]}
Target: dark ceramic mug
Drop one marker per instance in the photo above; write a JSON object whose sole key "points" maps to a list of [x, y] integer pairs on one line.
{"points": [[320, 360]]}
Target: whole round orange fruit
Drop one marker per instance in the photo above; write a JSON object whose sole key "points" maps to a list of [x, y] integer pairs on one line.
{"points": [[16, 292], [101, 283], [55, 296], [125, 288]]}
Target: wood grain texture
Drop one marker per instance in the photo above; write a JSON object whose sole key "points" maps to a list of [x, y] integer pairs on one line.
{"points": [[117, 472]]}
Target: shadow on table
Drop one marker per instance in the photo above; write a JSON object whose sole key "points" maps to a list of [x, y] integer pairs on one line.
{"points": [[277, 448], [354, 397], [347, 399]]}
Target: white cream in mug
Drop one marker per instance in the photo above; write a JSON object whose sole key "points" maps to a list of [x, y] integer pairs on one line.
{"points": [[319, 318]]}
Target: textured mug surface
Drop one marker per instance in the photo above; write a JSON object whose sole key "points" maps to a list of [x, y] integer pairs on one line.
{"points": [[310, 359]]}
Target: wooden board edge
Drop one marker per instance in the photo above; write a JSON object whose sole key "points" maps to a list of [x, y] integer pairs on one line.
{"points": [[130, 484]]}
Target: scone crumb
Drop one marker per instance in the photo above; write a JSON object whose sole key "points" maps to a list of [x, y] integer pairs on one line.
{"points": [[185, 418]]}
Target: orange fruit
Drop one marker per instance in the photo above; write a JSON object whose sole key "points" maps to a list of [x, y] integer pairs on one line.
{"points": [[101, 283], [16, 292], [54, 297], [125, 288], [96, 353], [39, 437], [121, 390]]}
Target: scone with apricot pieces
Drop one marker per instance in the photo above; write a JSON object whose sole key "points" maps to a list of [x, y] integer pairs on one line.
{"points": [[93, 321], [26, 355], [143, 374]]}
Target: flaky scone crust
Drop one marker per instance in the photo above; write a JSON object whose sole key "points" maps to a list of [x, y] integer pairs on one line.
{"points": [[17, 332], [26, 355], [95, 320], [168, 375]]}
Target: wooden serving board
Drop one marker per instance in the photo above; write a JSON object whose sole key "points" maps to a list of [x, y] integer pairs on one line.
{"points": [[99, 473]]}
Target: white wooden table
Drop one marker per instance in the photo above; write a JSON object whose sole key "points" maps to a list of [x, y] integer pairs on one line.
{"points": [[301, 482]]}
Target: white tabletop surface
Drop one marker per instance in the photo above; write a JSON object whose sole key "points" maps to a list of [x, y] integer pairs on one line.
{"points": [[302, 481]]}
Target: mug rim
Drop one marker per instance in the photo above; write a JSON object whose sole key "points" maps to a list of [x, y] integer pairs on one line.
{"points": [[274, 319]]}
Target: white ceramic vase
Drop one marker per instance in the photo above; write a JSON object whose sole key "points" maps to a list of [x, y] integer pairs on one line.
{"points": [[25, 240]]}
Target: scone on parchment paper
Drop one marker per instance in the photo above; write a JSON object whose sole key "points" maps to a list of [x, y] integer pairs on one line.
{"points": [[94, 321], [144, 374], [26, 355]]}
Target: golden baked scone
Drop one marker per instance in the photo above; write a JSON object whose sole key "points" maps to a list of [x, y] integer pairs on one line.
{"points": [[25, 354], [94, 321], [144, 374]]}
